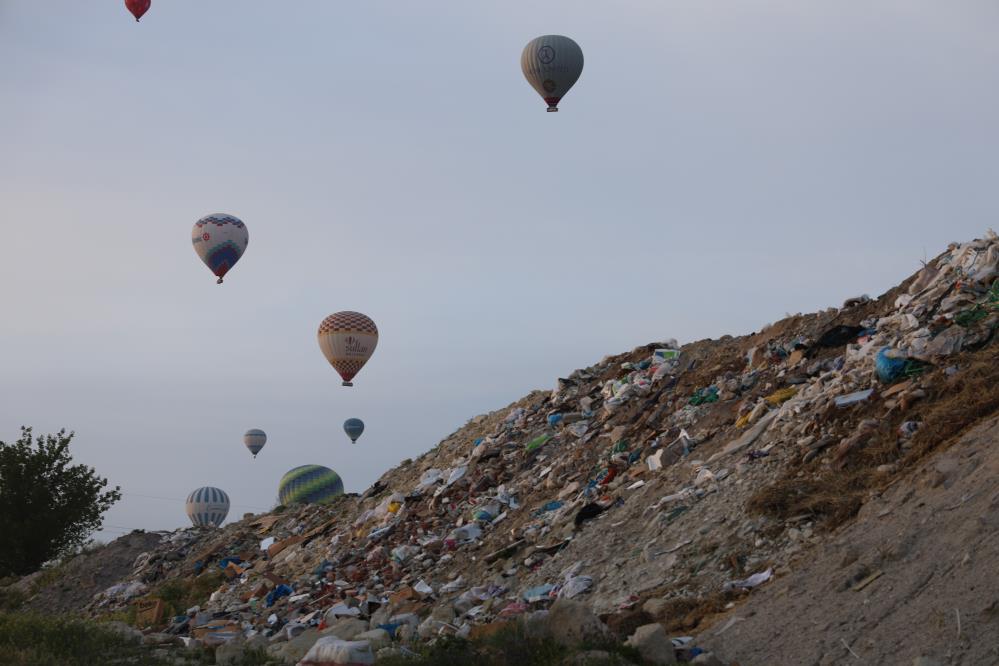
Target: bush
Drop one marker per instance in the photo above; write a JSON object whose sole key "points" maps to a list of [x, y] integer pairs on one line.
{"points": [[35, 640], [180, 594], [48, 506]]}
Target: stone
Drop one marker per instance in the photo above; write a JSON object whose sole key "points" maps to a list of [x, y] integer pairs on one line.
{"points": [[438, 617], [346, 628], [378, 638], [653, 644], [571, 623], [292, 651]]}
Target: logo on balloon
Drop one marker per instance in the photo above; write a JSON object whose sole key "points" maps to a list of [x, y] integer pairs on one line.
{"points": [[549, 85], [205, 236], [546, 54], [354, 346]]}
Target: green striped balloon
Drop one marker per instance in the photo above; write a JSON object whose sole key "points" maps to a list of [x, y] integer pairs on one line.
{"points": [[309, 484]]}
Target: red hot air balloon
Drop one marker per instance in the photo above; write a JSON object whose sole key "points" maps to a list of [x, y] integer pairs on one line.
{"points": [[138, 7]]}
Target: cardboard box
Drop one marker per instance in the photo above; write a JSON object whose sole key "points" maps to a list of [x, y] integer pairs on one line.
{"points": [[148, 612]]}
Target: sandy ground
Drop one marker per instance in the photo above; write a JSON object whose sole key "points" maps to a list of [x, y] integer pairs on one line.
{"points": [[915, 575]]}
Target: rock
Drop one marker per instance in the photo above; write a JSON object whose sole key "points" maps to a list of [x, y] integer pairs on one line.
{"points": [[230, 653], [293, 651], [346, 628], [707, 659], [571, 622], [431, 626], [655, 607], [378, 638], [653, 644]]}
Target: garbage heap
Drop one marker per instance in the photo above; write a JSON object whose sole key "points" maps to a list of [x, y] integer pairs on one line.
{"points": [[646, 487]]}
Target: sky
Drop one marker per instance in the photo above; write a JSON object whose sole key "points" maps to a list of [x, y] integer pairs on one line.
{"points": [[717, 166]]}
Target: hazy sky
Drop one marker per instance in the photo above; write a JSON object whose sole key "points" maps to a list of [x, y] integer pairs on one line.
{"points": [[717, 165]]}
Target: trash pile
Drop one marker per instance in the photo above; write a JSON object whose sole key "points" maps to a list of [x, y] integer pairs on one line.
{"points": [[624, 488]]}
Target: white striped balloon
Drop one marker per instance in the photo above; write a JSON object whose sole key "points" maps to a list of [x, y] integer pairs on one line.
{"points": [[552, 64], [207, 506]]}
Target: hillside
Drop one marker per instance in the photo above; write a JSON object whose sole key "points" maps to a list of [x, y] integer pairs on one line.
{"points": [[809, 493]]}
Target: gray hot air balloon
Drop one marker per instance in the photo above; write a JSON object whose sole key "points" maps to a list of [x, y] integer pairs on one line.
{"points": [[353, 428], [552, 64], [255, 440], [207, 506]]}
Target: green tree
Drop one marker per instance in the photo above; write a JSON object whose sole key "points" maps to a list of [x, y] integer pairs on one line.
{"points": [[48, 506]]}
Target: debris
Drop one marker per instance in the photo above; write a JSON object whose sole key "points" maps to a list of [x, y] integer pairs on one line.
{"points": [[755, 580], [854, 398], [867, 580]]}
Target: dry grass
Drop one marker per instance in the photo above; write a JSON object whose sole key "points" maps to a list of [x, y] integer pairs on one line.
{"points": [[685, 613], [833, 495], [958, 403], [953, 405]]}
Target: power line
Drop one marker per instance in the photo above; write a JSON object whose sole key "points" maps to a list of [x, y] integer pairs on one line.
{"points": [[184, 501]]}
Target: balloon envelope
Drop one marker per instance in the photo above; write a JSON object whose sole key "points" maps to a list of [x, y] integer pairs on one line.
{"points": [[347, 340], [220, 241], [552, 64], [353, 428], [309, 484], [137, 7], [255, 440], [207, 506]]}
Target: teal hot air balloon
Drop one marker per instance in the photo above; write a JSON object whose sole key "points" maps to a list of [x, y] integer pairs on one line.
{"points": [[353, 428], [254, 440], [309, 484]]}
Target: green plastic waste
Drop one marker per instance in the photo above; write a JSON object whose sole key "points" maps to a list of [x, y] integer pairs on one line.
{"points": [[537, 442], [704, 395]]}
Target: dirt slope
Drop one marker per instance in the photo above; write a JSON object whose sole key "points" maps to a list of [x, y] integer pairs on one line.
{"points": [[933, 542]]}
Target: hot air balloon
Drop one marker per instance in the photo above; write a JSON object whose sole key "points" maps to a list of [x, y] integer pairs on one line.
{"points": [[138, 7], [207, 506], [348, 339], [552, 64], [255, 440], [309, 484], [353, 428], [220, 241]]}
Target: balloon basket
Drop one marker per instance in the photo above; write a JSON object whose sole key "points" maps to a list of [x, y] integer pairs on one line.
{"points": [[552, 109], [348, 383]]}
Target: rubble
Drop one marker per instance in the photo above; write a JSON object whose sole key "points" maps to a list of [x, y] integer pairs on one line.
{"points": [[625, 487]]}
